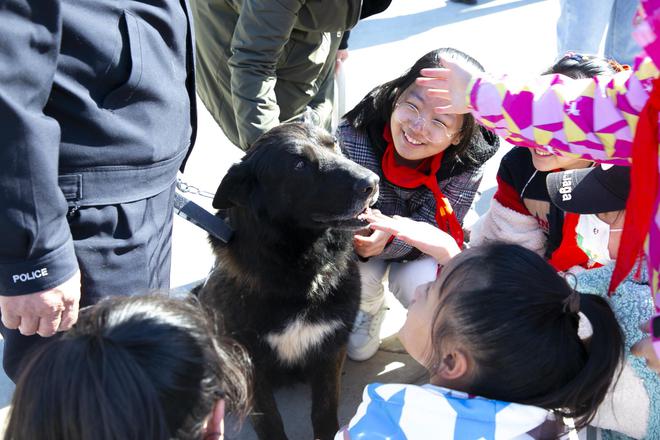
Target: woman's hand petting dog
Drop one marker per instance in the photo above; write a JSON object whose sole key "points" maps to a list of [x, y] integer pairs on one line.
{"points": [[370, 245], [425, 237], [369, 242]]}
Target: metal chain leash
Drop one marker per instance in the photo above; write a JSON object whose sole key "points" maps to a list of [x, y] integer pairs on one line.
{"points": [[196, 214], [186, 188]]}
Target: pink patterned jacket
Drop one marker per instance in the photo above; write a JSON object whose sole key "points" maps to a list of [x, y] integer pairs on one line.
{"points": [[592, 118]]}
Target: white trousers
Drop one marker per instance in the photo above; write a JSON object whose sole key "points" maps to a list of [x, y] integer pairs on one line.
{"points": [[403, 280]]}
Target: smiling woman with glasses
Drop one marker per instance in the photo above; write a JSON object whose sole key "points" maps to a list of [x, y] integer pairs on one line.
{"points": [[407, 113], [430, 167]]}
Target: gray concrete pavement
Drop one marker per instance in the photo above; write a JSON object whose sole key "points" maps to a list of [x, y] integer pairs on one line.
{"points": [[389, 365], [513, 36]]}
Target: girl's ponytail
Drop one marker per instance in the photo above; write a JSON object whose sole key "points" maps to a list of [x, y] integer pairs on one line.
{"points": [[581, 397], [519, 319]]}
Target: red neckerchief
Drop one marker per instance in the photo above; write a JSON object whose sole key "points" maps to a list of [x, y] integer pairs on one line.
{"points": [[424, 174], [643, 189], [569, 254]]}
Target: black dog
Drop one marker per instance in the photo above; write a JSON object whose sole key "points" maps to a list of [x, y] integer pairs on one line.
{"points": [[287, 286]]}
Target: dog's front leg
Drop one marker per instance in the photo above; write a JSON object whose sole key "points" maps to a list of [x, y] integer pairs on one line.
{"points": [[266, 418], [325, 397]]}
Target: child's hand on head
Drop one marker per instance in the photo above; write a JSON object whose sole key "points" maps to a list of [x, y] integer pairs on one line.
{"points": [[425, 237], [449, 84]]}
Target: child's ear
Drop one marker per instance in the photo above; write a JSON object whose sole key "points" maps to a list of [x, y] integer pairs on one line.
{"points": [[456, 138], [454, 366]]}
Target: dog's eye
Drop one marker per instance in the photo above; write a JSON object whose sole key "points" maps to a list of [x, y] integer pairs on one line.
{"points": [[300, 165]]}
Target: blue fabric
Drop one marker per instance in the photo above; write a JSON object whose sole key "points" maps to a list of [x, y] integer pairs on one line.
{"points": [[468, 423], [632, 304], [410, 412], [583, 23], [383, 417]]}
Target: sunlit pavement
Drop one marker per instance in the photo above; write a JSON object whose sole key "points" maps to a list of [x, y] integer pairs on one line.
{"points": [[506, 36]]}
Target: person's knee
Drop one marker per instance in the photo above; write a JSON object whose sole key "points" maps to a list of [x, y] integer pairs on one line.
{"points": [[406, 277], [372, 274]]}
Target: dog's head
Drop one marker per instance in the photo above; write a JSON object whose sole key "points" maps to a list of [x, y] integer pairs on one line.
{"points": [[296, 173]]}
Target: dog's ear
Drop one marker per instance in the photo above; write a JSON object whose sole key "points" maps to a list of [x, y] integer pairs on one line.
{"points": [[235, 188]]}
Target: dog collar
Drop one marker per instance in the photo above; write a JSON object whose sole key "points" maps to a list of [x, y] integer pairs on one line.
{"points": [[199, 216]]}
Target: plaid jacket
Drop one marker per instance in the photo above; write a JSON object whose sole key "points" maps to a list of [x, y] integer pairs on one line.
{"points": [[418, 203]]}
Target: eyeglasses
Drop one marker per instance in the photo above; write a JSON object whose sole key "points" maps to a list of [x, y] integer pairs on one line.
{"points": [[407, 114]]}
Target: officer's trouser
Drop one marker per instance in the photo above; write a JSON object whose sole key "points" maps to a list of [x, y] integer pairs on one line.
{"points": [[122, 249]]}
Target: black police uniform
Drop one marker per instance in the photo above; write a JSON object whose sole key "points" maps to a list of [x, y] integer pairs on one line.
{"points": [[97, 114]]}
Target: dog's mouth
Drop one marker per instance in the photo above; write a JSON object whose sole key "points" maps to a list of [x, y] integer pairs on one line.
{"points": [[349, 221]]}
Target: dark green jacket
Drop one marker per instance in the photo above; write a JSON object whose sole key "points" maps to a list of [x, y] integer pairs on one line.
{"points": [[263, 61]]}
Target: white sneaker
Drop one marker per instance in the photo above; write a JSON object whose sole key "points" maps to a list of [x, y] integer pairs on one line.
{"points": [[364, 340]]}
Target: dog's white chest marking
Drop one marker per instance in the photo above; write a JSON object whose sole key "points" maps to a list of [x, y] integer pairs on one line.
{"points": [[298, 337]]}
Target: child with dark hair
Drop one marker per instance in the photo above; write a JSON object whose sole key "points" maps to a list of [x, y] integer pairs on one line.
{"points": [[595, 201], [136, 368], [430, 169], [520, 211], [608, 120], [498, 323]]}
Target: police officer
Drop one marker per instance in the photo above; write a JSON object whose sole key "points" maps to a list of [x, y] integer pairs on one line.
{"points": [[96, 115]]}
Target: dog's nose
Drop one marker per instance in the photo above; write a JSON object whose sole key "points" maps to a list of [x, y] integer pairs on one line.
{"points": [[367, 185]]}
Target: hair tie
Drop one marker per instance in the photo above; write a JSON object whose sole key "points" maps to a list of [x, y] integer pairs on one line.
{"points": [[571, 304], [616, 66], [575, 56]]}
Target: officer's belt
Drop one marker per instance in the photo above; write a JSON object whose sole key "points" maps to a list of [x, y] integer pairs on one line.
{"points": [[111, 185]]}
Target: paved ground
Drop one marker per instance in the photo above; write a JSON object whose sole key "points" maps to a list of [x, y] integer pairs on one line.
{"points": [[514, 36]]}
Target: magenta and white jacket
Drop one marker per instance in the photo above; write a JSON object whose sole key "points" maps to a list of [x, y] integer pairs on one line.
{"points": [[593, 118]]}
